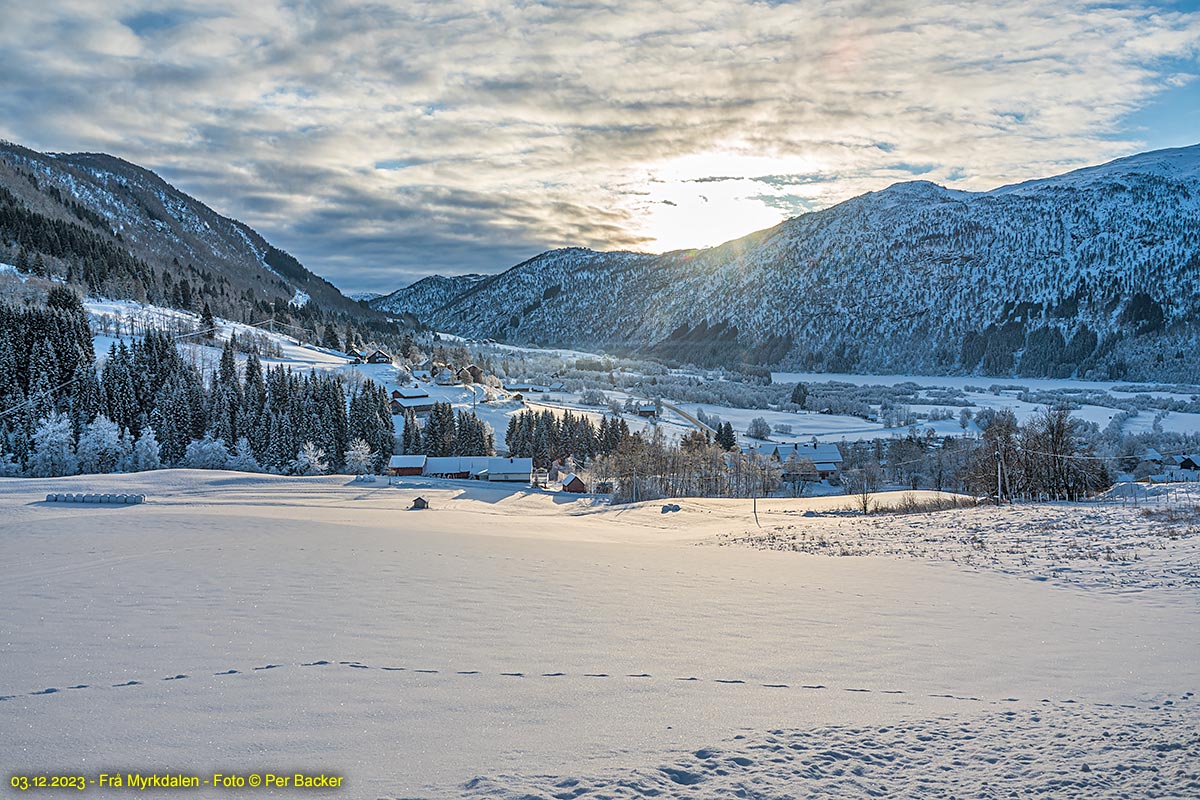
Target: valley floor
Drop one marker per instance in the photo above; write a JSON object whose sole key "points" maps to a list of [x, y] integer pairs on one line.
{"points": [[512, 643]]}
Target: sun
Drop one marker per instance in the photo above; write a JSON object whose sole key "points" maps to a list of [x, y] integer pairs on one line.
{"points": [[704, 200]]}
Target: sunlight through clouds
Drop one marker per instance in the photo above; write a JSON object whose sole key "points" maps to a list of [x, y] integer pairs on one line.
{"points": [[382, 141]]}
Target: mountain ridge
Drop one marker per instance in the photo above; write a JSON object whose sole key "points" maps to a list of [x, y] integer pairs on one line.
{"points": [[1088, 274]]}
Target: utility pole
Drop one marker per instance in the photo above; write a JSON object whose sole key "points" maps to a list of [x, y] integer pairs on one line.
{"points": [[999, 496]]}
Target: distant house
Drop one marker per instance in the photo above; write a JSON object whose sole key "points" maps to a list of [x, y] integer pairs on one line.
{"points": [[827, 458], [444, 377], [647, 409], [380, 357], [469, 374], [357, 356], [409, 392], [417, 405], [573, 483], [1190, 461], [420, 503], [406, 465], [518, 470], [518, 386]]}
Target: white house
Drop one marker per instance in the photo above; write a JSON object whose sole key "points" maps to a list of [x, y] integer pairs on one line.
{"points": [[510, 469]]}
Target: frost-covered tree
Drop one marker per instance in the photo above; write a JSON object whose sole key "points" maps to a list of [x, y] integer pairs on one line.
{"points": [[242, 459], [146, 454], [759, 428], [206, 453], [360, 460], [53, 448], [309, 461], [101, 449]]}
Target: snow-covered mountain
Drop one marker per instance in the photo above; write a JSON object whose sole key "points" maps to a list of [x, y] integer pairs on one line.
{"points": [[1095, 272], [426, 295], [122, 229]]}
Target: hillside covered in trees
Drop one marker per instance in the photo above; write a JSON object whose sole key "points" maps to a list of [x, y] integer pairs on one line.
{"points": [[1090, 274]]}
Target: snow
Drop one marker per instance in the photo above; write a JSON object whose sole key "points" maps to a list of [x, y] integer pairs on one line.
{"points": [[136, 316], [511, 641], [1177, 422], [301, 299]]}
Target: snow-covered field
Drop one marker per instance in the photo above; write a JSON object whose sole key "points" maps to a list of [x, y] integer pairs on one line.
{"points": [[517, 643]]}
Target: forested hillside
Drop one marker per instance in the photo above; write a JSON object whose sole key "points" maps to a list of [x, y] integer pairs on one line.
{"points": [[1090, 274]]}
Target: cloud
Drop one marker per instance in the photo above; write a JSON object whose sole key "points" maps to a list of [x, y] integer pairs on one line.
{"points": [[380, 141]]}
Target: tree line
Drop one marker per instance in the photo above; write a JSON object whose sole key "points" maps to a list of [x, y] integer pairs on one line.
{"points": [[148, 406]]}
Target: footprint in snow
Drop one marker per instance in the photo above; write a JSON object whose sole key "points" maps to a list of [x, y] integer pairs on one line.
{"points": [[227, 672], [316, 664], [690, 678], [813, 686], [553, 674], [639, 675], [127, 683], [175, 678], [358, 666], [392, 669], [513, 674], [775, 686], [426, 671], [78, 686], [46, 691], [727, 680], [470, 672], [595, 675], [267, 666]]}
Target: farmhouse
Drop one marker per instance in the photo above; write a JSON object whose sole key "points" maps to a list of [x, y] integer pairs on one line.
{"points": [[356, 355], [469, 374], [510, 469], [646, 409], [1190, 461], [573, 483], [460, 467], [417, 405], [406, 465], [380, 357], [826, 457], [409, 392], [518, 386]]}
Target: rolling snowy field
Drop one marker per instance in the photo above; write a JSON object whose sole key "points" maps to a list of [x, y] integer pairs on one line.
{"points": [[514, 643]]}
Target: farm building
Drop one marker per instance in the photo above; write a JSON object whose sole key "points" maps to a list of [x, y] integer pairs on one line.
{"points": [[379, 357], [409, 392], [826, 457], [357, 356], [510, 469], [460, 467], [647, 409], [420, 504], [417, 405], [469, 374], [406, 465], [573, 483]]}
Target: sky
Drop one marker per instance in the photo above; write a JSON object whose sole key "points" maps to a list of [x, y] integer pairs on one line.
{"points": [[380, 142]]}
